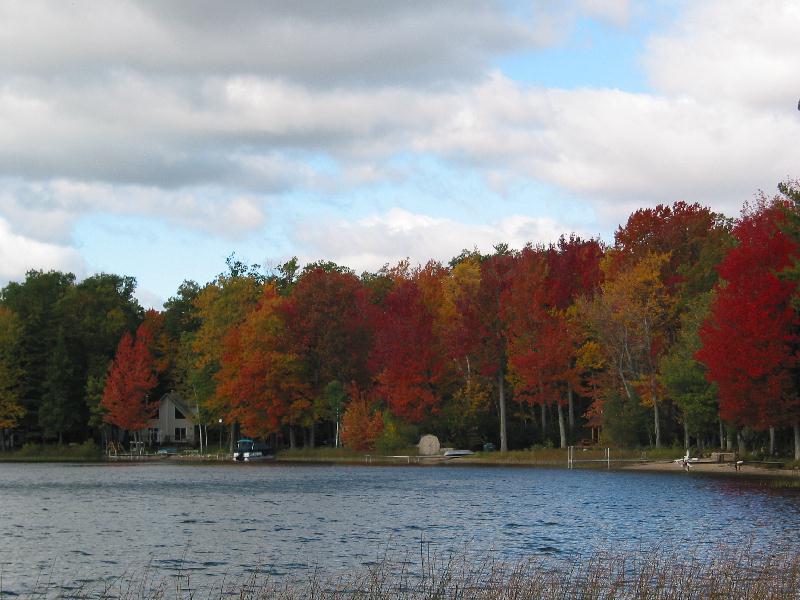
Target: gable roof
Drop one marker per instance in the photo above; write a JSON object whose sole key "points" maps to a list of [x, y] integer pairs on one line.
{"points": [[179, 402]]}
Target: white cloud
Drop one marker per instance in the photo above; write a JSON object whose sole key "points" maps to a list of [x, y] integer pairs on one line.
{"points": [[19, 254], [731, 51], [609, 145], [369, 243], [148, 299], [49, 211], [158, 109]]}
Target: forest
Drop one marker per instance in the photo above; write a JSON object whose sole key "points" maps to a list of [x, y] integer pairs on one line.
{"points": [[683, 331]]}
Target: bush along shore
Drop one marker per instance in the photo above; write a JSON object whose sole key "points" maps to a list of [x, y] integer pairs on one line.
{"points": [[726, 573]]}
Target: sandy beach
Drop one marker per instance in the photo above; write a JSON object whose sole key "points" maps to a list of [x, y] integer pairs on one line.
{"points": [[714, 468]]}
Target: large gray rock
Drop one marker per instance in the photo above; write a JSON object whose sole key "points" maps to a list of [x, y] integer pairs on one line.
{"points": [[429, 445]]}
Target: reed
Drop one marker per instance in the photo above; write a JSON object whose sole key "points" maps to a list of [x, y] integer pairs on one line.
{"points": [[743, 573]]}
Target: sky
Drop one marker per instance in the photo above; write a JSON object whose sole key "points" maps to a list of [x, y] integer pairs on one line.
{"points": [[153, 138]]}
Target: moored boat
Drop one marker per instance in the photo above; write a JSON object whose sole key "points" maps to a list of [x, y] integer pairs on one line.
{"points": [[457, 453], [248, 450]]}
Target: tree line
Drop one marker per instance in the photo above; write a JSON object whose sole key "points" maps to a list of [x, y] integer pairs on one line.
{"points": [[684, 330]]}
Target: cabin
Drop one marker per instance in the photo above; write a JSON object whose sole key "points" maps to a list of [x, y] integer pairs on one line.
{"points": [[173, 423]]}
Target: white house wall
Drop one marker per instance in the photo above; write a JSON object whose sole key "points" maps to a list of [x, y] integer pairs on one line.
{"points": [[167, 423]]}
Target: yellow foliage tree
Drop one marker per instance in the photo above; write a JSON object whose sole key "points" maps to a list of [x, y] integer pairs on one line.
{"points": [[629, 321]]}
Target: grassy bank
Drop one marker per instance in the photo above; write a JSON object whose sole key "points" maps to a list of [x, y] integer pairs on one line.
{"points": [[743, 574], [533, 456], [86, 452], [335, 455]]}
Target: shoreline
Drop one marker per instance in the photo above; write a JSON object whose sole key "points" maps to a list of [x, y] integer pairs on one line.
{"points": [[651, 466]]}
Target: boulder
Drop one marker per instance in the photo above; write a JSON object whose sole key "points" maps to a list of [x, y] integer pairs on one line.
{"points": [[429, 445]]}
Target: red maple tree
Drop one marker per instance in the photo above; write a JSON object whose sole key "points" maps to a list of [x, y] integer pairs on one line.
{"points": [[131, 377], [750, 337], [408, 357]]}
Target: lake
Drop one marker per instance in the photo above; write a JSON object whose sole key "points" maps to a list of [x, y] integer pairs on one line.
{"points": [[86, 523]]}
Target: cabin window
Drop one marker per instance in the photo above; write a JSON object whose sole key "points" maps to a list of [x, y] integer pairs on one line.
{"points": [[179, 414], [152, 435], [180, 434]]}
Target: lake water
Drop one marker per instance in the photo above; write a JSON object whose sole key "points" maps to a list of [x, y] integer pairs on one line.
{"points": [[86, 523]]}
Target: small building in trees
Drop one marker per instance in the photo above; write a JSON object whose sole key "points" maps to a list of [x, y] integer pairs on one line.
{"points": [[173, 423]]}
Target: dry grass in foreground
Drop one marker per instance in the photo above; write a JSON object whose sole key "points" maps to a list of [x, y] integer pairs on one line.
{"points": [[743, 575]]}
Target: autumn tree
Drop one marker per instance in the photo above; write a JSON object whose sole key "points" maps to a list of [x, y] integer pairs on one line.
{"points": [[131, 378], [573, 272], [480, 333], [533, 360], [543, 341], [327, 327], [693, 236], [219, 307], [363, 421], [750, 337], [408, 357], [263, 382], [468, 411], [628, 320]]}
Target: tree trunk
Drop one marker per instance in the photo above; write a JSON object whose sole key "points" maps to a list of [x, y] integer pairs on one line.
{"points": [[233, 435], [657, 424], [561, 427], [721, 435], [544, 423], [291, 437], [312, 435], [685, 434], [501, 393], [740, 442], [2, 440], [772, 441], [797, 440], [571, 408]]}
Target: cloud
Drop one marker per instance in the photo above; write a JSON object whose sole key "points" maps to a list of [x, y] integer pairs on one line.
{"points": [[616, 12], [19, 254], [369, 243], [148, 299], [608, 145], [49, 211], [731, 51], [355, 42], [202, 115]]}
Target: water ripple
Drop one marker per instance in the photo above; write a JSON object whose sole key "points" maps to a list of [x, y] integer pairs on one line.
{"points": [[223, 521]]}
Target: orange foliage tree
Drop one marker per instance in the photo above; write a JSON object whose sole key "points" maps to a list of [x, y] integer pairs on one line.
{"points": [[261, 380], [362, 424]]}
